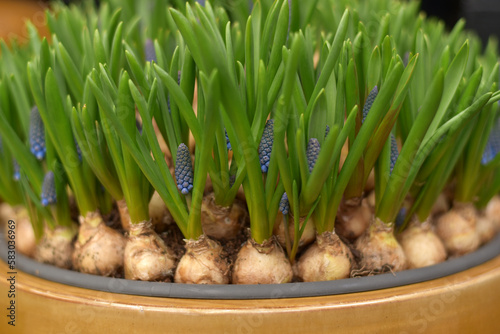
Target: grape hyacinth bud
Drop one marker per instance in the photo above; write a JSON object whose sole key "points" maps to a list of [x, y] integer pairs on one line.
{"points": [[312, 153], [48, 189], [400, 219], [327, 131], [78, 150], [17, 170], [369, 102], [149, 51], [284, 204], [138, 126], [266, 146], [37, 134], [394, 152], [492, 146], [184, 169], [168, 97], [228, 143]]}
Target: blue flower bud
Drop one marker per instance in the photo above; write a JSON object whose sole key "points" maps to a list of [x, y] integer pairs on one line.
{"points": [[168, 97], [149, 51], [266, 146], [138, 125], [312, 153], [17, 170], [327, 131], [37, 134], [369, 102], [492, 146], [284, 204], [184, 169], [400, 219], [78, 150], [228, 143], [394, 152], [48, 189]]}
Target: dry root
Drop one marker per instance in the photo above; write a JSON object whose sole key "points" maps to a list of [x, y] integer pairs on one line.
{"points": [[307, 237], [421, 245], [203, 263], [219, 222], [457, 230], [98, 249], [353, 218], [327, 259], [379, 249], [261, 264], [56, 246], [146, 256]]}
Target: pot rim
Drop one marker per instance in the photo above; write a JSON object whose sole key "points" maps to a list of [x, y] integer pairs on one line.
{"points": [[241, 292]]}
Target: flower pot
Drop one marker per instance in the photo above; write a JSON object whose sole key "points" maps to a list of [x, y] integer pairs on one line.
{"points": [[459, 296]]}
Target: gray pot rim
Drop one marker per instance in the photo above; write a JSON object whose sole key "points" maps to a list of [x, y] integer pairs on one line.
{"points": [[242, 292]]}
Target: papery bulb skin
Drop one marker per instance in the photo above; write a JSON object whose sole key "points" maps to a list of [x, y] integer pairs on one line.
{"points": [[146, 257], [380, 251], [264, 263], [353, 218], [99, 249], [308, 235], [222, 222], [421, 245], [326, 260], [457, 230], [203, 263], [56, 247]]}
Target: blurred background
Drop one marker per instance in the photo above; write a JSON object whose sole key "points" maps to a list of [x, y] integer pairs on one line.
{"points": [[482, 16]]}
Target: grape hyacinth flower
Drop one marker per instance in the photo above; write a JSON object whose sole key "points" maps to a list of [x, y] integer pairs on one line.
{"points": [[327, 131], [48, 189], [312, 153], [284, 204], [37, 134], [149, 51], [492, 146], [369, 102], [228, 143], [266, 146], [184, 170], [394, 152], [17, 170]]}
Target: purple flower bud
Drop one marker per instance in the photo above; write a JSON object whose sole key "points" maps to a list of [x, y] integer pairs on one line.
{"points": [[284, 204], [37, 134], [48, 189], [266, 146], [184, 169], [312, 153], [394, 152], [327, 131], [228, 143], [492, 146], [369, 102]]}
